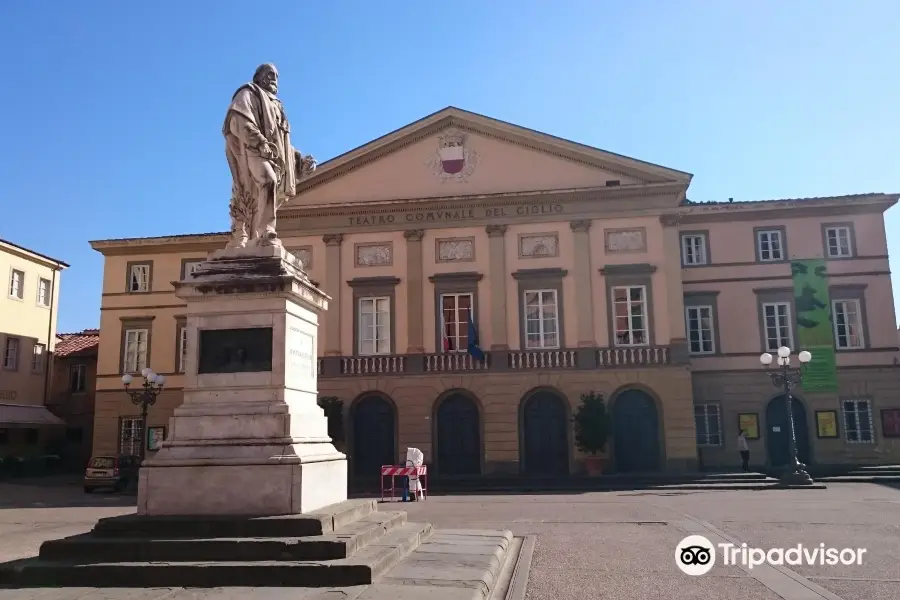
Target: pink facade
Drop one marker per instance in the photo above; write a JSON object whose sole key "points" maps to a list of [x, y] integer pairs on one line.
{"points": [[582, 270]]}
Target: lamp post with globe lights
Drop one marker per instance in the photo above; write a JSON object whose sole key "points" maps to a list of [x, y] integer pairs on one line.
{"points": [[787, 379], [145, 398]]}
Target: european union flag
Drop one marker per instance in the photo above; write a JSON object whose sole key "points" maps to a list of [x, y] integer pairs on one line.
{"points": [[474, 345]]}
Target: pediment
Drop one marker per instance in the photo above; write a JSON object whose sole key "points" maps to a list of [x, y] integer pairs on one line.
{"points": [[456, 153]]}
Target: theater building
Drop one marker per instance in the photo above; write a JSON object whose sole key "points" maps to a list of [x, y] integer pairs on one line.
{"points": [[574, 269]]}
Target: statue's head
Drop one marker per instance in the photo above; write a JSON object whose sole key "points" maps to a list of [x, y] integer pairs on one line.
{"points": [[266, 77]]}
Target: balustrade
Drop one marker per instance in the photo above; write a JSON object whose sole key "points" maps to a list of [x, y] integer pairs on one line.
{"points": [[513, 360]]}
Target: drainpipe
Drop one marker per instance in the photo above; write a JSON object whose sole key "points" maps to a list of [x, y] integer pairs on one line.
{"points": [[48, 364]]}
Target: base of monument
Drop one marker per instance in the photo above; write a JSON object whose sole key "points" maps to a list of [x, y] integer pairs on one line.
{"points": [[242, 489]]}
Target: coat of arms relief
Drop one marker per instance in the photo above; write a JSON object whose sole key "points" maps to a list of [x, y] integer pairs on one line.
{"points": [[454, 160]]}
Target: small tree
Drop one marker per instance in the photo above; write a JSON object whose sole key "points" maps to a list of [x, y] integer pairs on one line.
{"points": [[592, 424]]}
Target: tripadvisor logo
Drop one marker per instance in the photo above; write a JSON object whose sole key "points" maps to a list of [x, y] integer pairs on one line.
{"points": [[696, 555]]}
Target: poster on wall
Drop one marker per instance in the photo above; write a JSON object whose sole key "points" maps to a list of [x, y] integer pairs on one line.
{"points": [[826, 423], [812, 303], [155, 437], [890, 422], [749, 422]]}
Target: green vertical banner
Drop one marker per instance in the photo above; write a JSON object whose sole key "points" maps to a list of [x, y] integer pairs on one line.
{"points": [[814, 326]]}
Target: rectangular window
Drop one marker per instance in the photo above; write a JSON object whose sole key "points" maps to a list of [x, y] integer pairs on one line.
{"points": [[11, 354], [17, 284], [847, 324], [769, 245], [700, 329], [182, 348], [456, 310], [630, 315], [777, 324], [858, 422], [37, 358], [189, 268], [131, 436], [708, 424], [139, 278], [77, 378], [43, 297], [693, 249], [541, 320], [375, 325], [134, 358], [837, 242]]}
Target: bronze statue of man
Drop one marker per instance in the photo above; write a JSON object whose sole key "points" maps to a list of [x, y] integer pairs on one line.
{"points": [[265, 168]]}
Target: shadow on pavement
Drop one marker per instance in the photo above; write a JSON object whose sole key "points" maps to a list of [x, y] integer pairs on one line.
{"points": [[57, 492]]}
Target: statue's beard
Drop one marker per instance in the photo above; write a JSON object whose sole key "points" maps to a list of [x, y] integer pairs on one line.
{"points": [[271, 87]]}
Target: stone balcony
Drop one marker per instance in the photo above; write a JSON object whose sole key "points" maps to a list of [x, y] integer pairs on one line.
{"points": [[502, 361]]}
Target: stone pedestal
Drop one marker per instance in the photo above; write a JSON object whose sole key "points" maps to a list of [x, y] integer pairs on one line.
{"points": [[250, 439]]}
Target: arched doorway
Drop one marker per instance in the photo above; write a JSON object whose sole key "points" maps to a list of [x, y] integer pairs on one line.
{"points": [[545, 434], [635, 432], [374, 438], [778, 431], [458, 436]]}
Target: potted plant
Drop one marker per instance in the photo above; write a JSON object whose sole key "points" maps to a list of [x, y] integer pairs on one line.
{"points": [[592, 425]]}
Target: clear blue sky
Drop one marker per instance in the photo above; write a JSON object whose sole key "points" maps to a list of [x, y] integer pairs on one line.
{"points": [[112, 110]]}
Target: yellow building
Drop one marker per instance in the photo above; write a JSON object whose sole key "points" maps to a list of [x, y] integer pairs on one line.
{"points": [[577, 270], [28, 314]]}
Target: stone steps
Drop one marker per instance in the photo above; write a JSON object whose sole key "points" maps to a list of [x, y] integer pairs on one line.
{"points": [[343, 543], [321, 522], [859, 478], [353, 545]]}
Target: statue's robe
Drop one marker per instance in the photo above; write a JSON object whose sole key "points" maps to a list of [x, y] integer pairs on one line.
{"points": [[256, 116]]}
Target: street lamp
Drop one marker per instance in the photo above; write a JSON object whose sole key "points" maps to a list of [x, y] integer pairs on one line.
{"points": [[146, 397], [787, 379]]}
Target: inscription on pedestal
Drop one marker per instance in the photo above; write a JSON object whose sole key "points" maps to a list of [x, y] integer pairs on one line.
{"points": [[301, 353], [235, 350]]}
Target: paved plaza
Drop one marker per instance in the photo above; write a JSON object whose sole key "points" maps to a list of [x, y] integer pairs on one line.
{"points": [[603, 545]]}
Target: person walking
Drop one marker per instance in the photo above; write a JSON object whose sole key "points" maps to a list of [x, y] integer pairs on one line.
{"points": [[744, 449]]}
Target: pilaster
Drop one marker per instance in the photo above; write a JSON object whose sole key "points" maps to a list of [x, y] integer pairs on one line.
{"points": [[415, 292], [672, 271], [584, 305], [497, 247], [333, 288]]}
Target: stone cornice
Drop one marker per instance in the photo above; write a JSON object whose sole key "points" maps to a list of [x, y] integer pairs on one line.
{"points": [[472, 276], [593, 194], [585, 204], [386, 280], [201, 242], [802, 207], [31, 255], [543, 273], [632, 269]]}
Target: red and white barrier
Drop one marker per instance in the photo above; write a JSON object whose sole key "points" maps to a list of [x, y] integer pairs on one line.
{"points": [[394, 471]]}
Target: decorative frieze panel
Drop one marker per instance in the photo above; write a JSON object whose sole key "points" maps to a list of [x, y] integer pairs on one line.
{"points": [[304, 253], [626, 240], [455, 249], [378, 254], [538, 245]]}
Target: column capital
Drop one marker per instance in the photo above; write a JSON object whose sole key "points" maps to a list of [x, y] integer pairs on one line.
{"points": [[414, 235], [495, 230], [670, 220], [333, 239], [582, 225]]}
